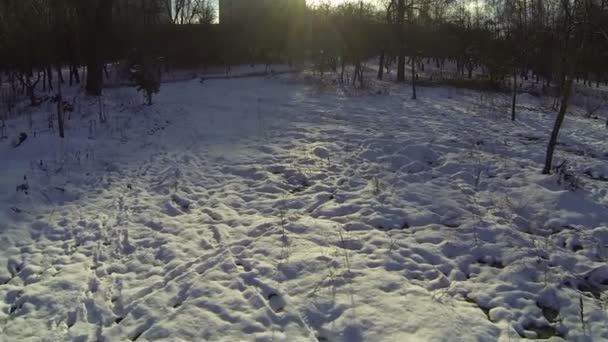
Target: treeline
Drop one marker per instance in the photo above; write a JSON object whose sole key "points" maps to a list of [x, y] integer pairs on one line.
{"points": [[491, 39], [497, 39], [39, 38]]}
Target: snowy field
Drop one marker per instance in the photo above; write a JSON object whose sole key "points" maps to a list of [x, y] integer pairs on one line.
{"points": [[282, 209]]}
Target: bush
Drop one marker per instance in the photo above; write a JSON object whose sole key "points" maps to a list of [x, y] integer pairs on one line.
{"points": [[146, 78]]}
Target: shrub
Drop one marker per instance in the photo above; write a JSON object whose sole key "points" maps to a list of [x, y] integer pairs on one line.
{"points": [[146, 78]]}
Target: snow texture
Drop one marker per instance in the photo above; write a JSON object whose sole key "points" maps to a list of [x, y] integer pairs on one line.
{"points": [[279, 209]]}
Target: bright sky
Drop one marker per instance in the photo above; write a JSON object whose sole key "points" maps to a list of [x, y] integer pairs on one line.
{"points": [[312, 2], [334, 2], [318, 1]]}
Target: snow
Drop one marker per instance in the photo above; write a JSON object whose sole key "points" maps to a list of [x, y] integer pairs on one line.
{"points": [[277, 209]]}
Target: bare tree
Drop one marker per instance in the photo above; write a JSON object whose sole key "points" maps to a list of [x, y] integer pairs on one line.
{"points": [[575, 31], [190, 11], [399, 25], [95, 17]]}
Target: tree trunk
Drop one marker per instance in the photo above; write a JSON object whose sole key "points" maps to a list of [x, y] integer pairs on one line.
{"points": [[400, 35], [558, 125], [76, 73], [514, 98], [30, 89], [60, 111], [102, 110], [59, 74], [401, 68], [98, 32], [381, 66], [49, 75], [361, 79], [413, 59], [105, 71], [94, 77]]}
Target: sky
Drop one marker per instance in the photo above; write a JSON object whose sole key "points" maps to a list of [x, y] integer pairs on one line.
{"points": [[311, 2]]}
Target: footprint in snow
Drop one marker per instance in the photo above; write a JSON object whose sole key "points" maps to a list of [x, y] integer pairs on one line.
{"points": [[321, 152], [13, 299], [276, 302], [183, 203]]}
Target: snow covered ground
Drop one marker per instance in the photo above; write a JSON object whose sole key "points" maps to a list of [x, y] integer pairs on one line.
{"points": [[282, 209]]}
